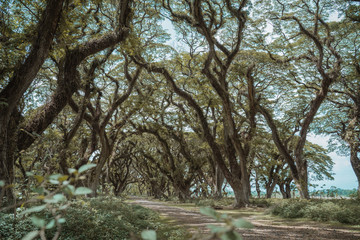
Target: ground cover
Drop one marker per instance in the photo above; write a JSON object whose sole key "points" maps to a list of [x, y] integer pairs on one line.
{"points": [[98, 218]]}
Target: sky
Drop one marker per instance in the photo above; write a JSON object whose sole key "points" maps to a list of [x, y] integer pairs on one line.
{"points": [[344, 175]]}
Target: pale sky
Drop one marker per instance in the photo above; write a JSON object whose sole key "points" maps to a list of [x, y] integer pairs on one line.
{"points": [[344, 175]]}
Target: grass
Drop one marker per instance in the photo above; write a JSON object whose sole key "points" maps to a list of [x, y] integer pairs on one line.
{"points": [[99, 218]]}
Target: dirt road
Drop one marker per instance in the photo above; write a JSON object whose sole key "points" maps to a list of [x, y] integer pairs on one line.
{"points": [[265, 227]]}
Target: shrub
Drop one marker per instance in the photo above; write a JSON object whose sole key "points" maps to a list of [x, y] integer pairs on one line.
{"points": [[7, 224], [322, 211], [292, 208], [99, 218], [205, 202], [261, 202], [341, 210], [349, 215], [210, 202]]}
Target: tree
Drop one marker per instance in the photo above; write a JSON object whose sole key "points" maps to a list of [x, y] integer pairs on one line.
{"points": [[207, 20], [271, 169], [340, 117], [325, 61], [68, 76], [119, 169], [238, 96], [15, 87]]}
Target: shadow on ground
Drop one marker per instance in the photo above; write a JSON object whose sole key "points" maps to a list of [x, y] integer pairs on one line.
{"points": [[264, 227]]}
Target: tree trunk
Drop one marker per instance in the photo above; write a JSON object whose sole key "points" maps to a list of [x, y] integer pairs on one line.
{"points": [[350, 135], [284, 192], [7, 172], [270, 188], [257, 186], [241, 195], [288, 190], [355, 163], [301, 181], [182, 188], [219, 181], [95, 177]]}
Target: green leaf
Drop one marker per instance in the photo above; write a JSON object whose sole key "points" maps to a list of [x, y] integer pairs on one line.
{"points": [[62, 220], [34, 209], [241, 223], [148, 235], [56, 198], [71, 188], [51, 224], [231, 235], [2, 183], [63, 178], [50, 200], [209, 212], [71, 170], [52, 181], [39, 222], [82, 191], [31, 235], [86, 167], [55, 176], [66, 183], [217, 229], [39, 179], [39, 190], [59, 197]]}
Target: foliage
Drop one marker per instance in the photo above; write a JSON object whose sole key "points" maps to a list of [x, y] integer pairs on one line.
{"points": [[239, 95], [341, 210], [50, 194], [213, 202], [97, 218], [262, 202]]}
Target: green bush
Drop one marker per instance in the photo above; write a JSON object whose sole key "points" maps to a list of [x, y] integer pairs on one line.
{"points": [[11, 228], [290, 208], [341, 210], [210, 202], [205, 202], [322, 211], [349, 215], [100, 218], [261, 202]]}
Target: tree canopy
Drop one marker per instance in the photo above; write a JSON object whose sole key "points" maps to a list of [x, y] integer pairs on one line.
{"points": [[232, 102]]}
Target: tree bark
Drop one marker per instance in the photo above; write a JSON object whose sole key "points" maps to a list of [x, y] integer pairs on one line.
{"points": [[219, 181], [270, 189], [355, 162], [285, 190]]}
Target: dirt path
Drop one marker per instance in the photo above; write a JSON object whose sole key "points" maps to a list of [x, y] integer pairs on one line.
{"points": [[264, 228]]}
